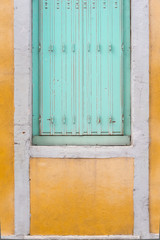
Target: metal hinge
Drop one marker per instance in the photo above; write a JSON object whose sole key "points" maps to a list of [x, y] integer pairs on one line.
{"points": [[51, 48], [63, 48], [40, 130], [123, 118], [39, 118], [39, 47], [89, 47], [52, 120], [98, 48], [111, 120], [73, 48], [98, 120], [122, 46], [110, 47]]}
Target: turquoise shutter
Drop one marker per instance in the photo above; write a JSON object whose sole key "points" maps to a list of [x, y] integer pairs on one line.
{"points": [[81, 67]]}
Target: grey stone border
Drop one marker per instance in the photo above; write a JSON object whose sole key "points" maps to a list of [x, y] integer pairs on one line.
{"points": [[140, 119]]}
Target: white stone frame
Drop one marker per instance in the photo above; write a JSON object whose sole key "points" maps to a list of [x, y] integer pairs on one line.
{"points": [[140, 122]]}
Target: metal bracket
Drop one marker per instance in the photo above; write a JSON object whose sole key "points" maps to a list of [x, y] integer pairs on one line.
{"points": [[111, 120], [98, 120], [51, 48], [98, 48], [88, 47], [39, 118], [110, 47], [52, 120], [63, 48], [123, 118], [122, 46], [73, 48], [39, 47]]}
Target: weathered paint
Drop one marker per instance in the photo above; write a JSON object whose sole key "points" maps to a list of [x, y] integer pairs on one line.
{"points": [[80, 91], [6, 118], [23, 103], [81, 196], [154, 115], [81, 140]]}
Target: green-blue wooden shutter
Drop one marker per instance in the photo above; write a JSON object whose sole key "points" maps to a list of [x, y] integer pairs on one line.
{"points": [[81, 57]]}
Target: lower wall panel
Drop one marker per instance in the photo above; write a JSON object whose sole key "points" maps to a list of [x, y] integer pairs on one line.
{"points": [[81, 196]]}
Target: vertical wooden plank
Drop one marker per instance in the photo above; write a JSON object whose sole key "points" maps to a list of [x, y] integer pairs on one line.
{"points": [[89, 67], [57, 77], [63, 70], [110, 63], [88, 78], [98, 64], [126, 68], [104, 63], [92, 118], [77, 6], [68, 52], [121, 67], [73, 49], [35, 63], [45, 55], [116, 84], [40, 64], [84, 57], [81, 67], [52, 60]]}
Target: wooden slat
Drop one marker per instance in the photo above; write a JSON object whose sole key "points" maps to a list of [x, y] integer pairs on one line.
{"points": [[81, 140], [81, 66]]}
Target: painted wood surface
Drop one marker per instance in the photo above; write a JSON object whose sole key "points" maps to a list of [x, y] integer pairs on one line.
{"points": [[84, 47]]}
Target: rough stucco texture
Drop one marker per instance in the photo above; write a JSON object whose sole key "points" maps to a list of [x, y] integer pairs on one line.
{"points": [[6, 118], [154, 115], [81, 196]]}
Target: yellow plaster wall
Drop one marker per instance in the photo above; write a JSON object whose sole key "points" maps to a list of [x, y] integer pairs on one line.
{"points": [[81, 196], [6, 118], [110, 178], [154, 115]]}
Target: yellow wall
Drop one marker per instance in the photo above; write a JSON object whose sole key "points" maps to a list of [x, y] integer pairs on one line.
{"points": [[82, 182], [70, 197], [81, 196], [6, 118], [51, 212], [154, 115]]}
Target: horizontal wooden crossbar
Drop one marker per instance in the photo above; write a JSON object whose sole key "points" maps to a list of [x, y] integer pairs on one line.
{"points": [[82, 140]]}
